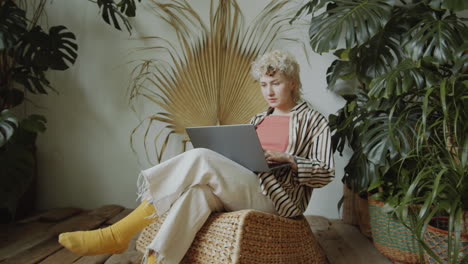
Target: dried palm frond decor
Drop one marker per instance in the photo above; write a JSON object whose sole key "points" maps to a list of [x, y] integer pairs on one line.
{"points": [[206, 80]]}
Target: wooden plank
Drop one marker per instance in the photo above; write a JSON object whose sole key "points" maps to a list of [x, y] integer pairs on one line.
{"points": [[24, 237], [336, 249], [83, 221], [119, 216], [130, 256], [62, 256], [358, 243], [35, 254], [107, 211], [99, 259], [54, 215], [318, 223]]}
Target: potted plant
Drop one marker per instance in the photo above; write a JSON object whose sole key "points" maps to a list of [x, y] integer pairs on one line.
{"points": [[27, 52], [397, 57], [440, 180]]}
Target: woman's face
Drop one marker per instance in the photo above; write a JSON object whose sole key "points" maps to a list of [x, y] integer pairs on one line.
{"points": [[277, 90]]}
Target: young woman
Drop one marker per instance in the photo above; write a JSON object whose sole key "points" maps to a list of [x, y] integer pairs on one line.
{"points": [[192, 185]]}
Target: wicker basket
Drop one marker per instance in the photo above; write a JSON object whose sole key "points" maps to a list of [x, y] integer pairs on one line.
{"points": [[248, 236], [437, 240], [391, 237]]}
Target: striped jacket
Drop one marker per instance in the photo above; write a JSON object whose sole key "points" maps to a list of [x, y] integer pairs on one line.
{"points": [[309, 142]]}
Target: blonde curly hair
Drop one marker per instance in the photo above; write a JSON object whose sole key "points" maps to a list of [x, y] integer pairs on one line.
{"points": [[278, 61]]}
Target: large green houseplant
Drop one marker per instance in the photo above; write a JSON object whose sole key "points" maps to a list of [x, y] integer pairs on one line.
{"points": [[27, 52], [405, 61]]}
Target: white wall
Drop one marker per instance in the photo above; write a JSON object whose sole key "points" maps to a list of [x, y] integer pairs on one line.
{"points": [[85, 158]]}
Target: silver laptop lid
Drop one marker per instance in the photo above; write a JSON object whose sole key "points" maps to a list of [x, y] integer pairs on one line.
{"points": [[239, 143]]}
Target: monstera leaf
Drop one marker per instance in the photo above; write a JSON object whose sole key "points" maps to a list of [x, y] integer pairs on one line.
{"points": [[38, 51], [8, 124], [384, 50], [388, 135], [404, 77], [128, 7], [339, 69], [111, 14], [358, 21], [12, 23], [436, 36], [56, 50], [455, 5]]}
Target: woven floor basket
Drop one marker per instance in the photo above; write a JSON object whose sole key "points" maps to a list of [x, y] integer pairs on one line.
{"points": [[248, 236], [437, 240], [391, 237]]}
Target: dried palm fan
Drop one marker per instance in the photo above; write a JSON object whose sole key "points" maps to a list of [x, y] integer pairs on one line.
{"points": [[207, 80]]}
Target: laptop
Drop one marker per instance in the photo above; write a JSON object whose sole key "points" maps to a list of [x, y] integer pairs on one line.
{"points": [[239, 143]]}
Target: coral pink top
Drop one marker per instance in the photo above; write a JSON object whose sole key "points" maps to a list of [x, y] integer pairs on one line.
{"points": [[273, 133]]}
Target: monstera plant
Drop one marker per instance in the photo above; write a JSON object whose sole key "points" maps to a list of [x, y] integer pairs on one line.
{"points": [[27, 52], [403, 64]]}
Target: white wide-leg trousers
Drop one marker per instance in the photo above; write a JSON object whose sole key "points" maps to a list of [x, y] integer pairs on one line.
{"points": [[189, 187]]}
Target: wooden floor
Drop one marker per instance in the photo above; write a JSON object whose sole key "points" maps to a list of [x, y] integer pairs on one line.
{"points": [[34, 240]]}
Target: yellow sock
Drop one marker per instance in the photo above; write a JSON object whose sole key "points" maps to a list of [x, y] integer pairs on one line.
{"points": [[112, 239], [151, 259]]}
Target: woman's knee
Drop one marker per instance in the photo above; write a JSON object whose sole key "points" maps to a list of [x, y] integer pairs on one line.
{"points": [[201, 152]]}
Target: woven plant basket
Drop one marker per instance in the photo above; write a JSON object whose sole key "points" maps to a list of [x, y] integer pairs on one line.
{"points": [[248, 236], [437, 240], [391, 237], [356, 211]]}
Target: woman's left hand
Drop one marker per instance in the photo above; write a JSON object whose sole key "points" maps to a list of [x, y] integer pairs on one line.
{"points": [[274, 156]]}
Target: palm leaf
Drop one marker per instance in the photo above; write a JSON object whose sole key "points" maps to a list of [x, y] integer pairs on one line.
{"points": [[206, 80], [357, 21]]}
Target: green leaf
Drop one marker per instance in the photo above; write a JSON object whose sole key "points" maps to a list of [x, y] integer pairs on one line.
{"points": [[405, 77], [33, 81], [111, 14], [455, 5], [436, 36], [11, 97], [309, 8], [128, 7], [8, 125], [375, 185], [338, 70], [38, 51], [357, 21], [41, 51], [383, 51], [34, 123], [12, 24]]}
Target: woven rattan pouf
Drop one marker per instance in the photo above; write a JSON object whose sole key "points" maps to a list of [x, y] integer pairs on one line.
{"points": [[248, 236]]}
